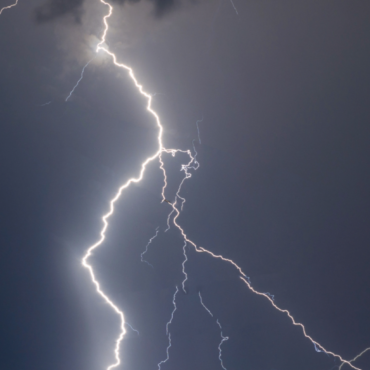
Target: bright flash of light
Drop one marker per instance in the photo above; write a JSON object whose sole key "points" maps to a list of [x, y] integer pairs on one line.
{"points": [[167, 330], [9, 6], [356, 358], [158, 154], [223, 339], [78, 82]]}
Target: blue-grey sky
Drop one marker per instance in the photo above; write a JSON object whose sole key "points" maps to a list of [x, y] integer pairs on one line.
{"points": [[282, 188]]}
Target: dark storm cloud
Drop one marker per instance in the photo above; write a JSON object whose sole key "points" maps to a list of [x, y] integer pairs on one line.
{"points": [[57, 8]]}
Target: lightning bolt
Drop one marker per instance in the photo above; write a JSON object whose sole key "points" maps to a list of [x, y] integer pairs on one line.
{"points": [[78, 82], [192, 164], [147, 246], [9, 6], [175, 210], [167, 330], [246, 280], [183, 267], [356, 358], [105, 218], [223, 339]]}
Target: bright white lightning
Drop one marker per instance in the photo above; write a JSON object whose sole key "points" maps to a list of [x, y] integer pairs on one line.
{"points": [[192, 164], [167, 330], [161, 149], [120, 190], [9, 6], [147, 246], [223, 339], [78, 82], [158, 154]]}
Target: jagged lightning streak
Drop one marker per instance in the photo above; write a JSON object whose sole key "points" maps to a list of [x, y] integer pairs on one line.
{"points": [[78, 82], [167, 330], [223, 339], [90, 250], [183, 267], [9, 6], [246, 280], [185, 168], [168, 220], [157, 154], [192, 164], [147, 246], [244, 277], [356, 358]]}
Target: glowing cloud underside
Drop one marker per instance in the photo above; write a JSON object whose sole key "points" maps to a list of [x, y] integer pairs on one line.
{"points": [[176, 211]]}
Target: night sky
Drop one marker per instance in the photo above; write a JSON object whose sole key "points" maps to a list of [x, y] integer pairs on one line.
{"points": [[283, 88]]}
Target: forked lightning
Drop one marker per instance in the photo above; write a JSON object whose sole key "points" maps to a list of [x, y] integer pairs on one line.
{"points": [[158, 154], [192, 164]]}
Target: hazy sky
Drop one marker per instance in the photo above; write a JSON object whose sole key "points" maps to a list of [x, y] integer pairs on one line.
{"points": [[283, 185]]}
